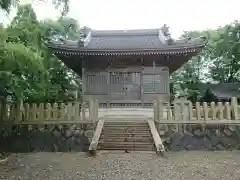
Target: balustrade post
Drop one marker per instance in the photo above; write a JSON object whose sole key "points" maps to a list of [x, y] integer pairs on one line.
{"points": [[160, 110], [96, 110], [234, 105], [91, 110], [83, 110], [155, 110]]}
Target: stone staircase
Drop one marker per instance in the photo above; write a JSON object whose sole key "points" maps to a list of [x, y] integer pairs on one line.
{"points": [[128, 135]]}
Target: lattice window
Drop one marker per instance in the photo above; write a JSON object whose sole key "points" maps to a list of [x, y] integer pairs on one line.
{"points": [[96, 83], [116, 81], [154, 84]]}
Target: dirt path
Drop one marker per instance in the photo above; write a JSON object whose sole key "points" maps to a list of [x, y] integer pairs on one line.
{"points": [[197, 165]]}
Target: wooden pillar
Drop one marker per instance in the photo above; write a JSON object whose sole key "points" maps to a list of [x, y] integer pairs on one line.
{"points": [[168, 60], [141, 84], [109, 87], [83, 79], [154, 64]]}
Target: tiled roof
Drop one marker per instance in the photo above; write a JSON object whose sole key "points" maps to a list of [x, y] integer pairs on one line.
{"points": [[133, 39], [223, 90], [129, 41], [227, 90]]}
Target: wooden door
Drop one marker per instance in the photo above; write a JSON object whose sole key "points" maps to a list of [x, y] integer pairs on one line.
{"points": [[116, 84], [125, 85], [132, 85]]}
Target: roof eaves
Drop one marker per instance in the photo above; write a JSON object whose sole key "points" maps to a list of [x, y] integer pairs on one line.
{"points": [[116, 53], [65, 47]]}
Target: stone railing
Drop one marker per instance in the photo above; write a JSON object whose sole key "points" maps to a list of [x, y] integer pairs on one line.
{"points": [[73, 111], [184, 111]]}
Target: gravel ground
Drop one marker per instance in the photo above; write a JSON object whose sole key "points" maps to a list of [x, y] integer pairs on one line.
{"points": [[197, 165]]}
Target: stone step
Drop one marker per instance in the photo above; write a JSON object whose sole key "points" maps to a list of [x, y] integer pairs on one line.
{"points": [[126, 125], [126, 122], [117, 136], [129, 142], [125, 129], [134, 136], [113, 143], [138, 139], [127, 147], [124, 149], [126, 119], [126, 132], [122, 146]]}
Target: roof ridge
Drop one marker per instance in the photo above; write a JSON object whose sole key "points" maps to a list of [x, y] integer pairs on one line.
{"points": [[127, 32]]}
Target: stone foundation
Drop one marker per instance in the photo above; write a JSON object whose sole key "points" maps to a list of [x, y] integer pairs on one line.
{"points": [[193, 137], [50, 138], [65, 138]]}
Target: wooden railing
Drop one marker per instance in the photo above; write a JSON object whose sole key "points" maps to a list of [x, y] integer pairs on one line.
{"points": [[184, 111], [181, 112], [73, 111]]}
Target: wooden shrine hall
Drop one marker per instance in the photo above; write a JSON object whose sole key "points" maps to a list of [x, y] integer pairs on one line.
{"points": [[126, 66]]}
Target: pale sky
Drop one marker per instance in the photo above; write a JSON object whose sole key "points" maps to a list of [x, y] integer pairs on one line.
{"points": [[135, 14]]}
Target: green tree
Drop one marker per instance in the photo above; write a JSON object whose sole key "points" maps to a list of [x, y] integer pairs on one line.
{"points": [[29, 69], [190, 76], [61, 5], [219, 61], [225, 54]]}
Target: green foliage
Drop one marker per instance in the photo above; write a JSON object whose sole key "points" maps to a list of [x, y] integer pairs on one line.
{"points": [[28, 70], [7, 4], [218, 62], [61, 5], [226, 54]]}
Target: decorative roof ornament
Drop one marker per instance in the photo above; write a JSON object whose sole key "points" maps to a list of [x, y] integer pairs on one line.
{"points": [[165, 30], [85, 36], [167, 36], [85, 31]]}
